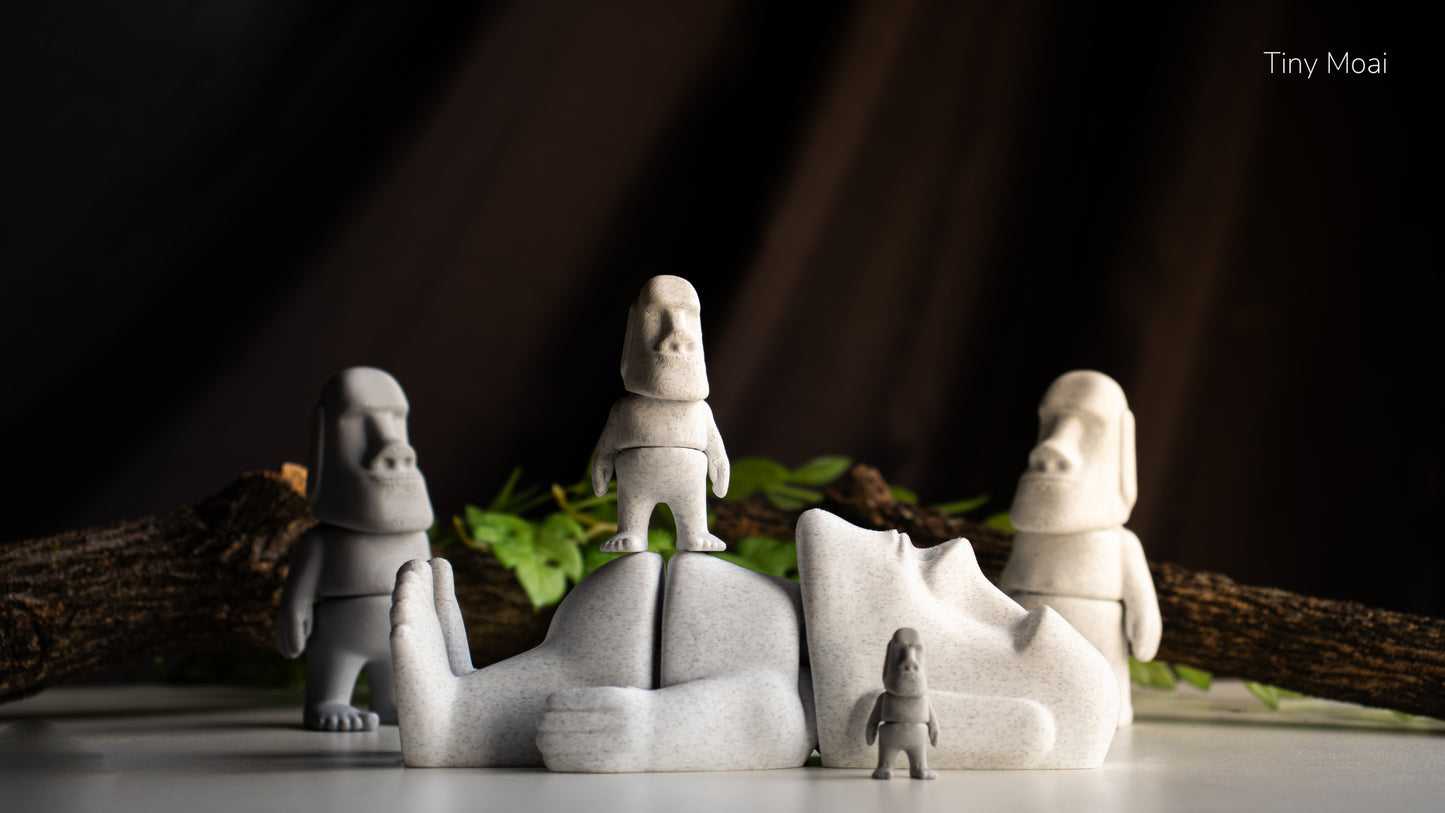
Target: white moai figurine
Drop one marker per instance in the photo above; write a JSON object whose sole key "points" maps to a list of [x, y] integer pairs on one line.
{"points": [[661, 438], [372, 503], [705, 665], [1072, 551], [1018, 689]]}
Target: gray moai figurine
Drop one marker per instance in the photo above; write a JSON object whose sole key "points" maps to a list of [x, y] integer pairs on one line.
{"points": [[373, 512], [1072, 551], [661, 438], [902, 718]]}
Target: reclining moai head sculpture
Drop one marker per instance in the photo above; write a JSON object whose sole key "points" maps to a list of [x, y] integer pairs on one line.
{"points": [[661, 438], [1072, 551], [373, 512], [902, 719]]}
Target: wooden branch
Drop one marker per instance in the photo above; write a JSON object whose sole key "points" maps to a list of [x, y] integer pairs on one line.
{"points": [[1335, 649], [208, 575]]}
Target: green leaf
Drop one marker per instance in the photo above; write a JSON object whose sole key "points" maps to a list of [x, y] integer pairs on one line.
{"points": [[544, 584], [783, 502], [1151, 674], [558, 540], [902, 494], [1198, 678], [767, 555], [752, 474], [500, 501], [661, 540], [511, 538], [962, 506], [1267, 694], [1001, 522], [821, 471]]}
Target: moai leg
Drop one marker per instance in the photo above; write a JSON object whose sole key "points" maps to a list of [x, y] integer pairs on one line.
{"points": [[336, 653], [688, 501], [637, 495], [731, 649], [1102, 623], [887, 753], [604, 634], [918, 762]]}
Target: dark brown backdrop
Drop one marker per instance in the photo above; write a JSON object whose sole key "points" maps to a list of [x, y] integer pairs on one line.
{"points": [[904, 220]]}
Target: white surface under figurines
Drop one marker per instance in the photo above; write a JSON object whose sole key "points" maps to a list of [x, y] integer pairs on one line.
{"points": [[661, 438], [1071, 551], [372, 503], [1018, 689], [727, 652], [902, 720]]}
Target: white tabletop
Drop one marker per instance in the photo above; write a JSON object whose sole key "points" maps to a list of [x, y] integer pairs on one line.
{"points": [[161, 749]]}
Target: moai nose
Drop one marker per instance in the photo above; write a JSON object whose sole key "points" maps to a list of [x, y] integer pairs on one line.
{"points": [[394, 457], [678, 341], [1059, 452]]}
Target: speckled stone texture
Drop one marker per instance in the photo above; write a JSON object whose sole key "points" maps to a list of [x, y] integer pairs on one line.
{"points": [[730, 654], [1011, 688], [1072, 552], [604, 634]]}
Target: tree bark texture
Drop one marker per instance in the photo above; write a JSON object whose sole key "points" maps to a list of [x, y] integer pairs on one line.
{"points": [[209, 574]]}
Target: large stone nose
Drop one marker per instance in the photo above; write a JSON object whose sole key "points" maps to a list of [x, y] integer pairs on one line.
{"points": [[1058, 453], [679, 341], [395, 456]]}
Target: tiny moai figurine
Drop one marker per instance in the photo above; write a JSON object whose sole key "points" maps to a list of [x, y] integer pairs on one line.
{"points": [[1072, 552], [662, 438], [902, 718], [373, 512]]}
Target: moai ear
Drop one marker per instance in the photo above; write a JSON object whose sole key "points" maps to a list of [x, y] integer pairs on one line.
{"points": [[313, 462], [1128, 467]]}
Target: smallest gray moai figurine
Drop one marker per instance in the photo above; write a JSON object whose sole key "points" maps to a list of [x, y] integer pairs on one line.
{"points": [[902, 718], [661, 438], [373, 510]]}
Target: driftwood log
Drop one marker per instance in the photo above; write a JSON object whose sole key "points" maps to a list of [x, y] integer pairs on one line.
{"points": [[208, 575]]}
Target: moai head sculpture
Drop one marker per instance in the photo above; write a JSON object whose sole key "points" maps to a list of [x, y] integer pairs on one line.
{"points": [[363, 473], [662, 354], [903, 674], [1081, 475]]}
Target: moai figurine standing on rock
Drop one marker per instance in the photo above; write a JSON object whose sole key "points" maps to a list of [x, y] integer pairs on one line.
{"points": [[902, 718], [662, 437], [373, 508], [1071, 551]]}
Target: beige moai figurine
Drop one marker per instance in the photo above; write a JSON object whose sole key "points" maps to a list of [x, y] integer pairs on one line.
{"points": [[902, 719], [661, 438], [373, 510], [1072, 551]]}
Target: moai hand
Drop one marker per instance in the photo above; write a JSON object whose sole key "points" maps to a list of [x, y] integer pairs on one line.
{"points": [[373, 508], [1072, 552], [902, 719], [661, 438]]}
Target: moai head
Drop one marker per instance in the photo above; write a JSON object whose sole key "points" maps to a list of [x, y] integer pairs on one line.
{"points": [[363, 472], [1081, 475], [662, 354], [903, 670]]}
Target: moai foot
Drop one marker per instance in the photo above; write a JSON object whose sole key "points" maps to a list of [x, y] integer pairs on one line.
{"points": [[425, 684], [625, 543], [922, 772], [883, 773], [339, 717], [702, 542]]}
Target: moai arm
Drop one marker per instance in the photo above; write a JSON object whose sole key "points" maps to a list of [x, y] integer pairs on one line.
{"points": [[932, 727], [604, 455], [1142, 623], [870, 730], [718, 467], [293, 616]]}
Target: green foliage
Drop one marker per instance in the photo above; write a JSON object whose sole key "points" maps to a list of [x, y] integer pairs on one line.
{"points": [[1158, 674], [786, 490]]}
